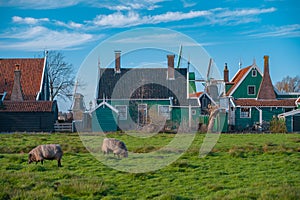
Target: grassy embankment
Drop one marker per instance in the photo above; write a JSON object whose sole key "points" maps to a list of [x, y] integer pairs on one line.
{"points": [[248, 166]]}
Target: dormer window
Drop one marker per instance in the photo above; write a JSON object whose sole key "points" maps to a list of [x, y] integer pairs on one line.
{"points": [[254, 73]]}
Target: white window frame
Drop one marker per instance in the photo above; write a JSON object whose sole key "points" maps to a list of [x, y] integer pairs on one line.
{"points": [[254, 75], [164, 114], [244, 114], [120, 111], [254, 89]]}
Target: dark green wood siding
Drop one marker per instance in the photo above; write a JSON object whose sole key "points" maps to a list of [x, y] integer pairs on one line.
{"points": [[242, 90], [267, 115], [27, 121], [104, 120], [289, 123]]}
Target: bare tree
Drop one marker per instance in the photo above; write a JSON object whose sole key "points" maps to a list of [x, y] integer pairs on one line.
{"points": [[289, 84], [213, 112], [61, 76]]}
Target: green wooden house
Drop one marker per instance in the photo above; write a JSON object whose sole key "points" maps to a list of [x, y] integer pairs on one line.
{"points": [[145, 97], [252, 99]]}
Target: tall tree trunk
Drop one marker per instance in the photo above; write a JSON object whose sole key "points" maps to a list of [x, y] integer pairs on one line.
{"points": [[211, 122]]}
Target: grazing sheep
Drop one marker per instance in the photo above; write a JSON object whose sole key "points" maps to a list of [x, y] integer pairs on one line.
{"points": [[116, 146], [45, 152]]}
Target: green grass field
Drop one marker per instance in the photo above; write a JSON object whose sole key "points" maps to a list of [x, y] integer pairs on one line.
{"points": [[242, 166]]}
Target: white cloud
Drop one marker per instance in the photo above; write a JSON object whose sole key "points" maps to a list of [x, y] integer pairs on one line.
{"points": [[71, 24], [118, 19], [34, 21], [37, 38], [177, 16], [292, 30], [28, 20], [188, 3], [220, 16], [129, 4], [54, 4], [40, 4], [23, 34], [227, 17], [132, 18], [246, 12]]}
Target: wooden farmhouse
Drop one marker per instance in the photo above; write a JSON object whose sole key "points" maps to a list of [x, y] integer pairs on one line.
{"points": [[137, 98], [253, 100], [24, 96]]}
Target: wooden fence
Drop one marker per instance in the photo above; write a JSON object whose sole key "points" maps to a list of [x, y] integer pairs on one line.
{"points": [[63, 127]]}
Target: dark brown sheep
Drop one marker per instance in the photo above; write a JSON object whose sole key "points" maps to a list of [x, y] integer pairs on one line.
{"points": [[46, 152]]}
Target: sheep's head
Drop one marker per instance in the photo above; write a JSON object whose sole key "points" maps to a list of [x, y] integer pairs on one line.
{"points": [[124, 154], [31, 158]]}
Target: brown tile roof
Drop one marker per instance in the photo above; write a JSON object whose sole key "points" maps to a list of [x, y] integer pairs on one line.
{"points": [[31, 75], [237, 78], [27, 106], [197, 94], [265, 103]]}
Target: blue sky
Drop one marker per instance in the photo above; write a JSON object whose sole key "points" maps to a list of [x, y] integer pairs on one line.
{"points": [[229, 30]]}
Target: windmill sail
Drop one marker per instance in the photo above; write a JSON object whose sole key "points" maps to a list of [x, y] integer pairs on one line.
{"points": [[179, 56]]}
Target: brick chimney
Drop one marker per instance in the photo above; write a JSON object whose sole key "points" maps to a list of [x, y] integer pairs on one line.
{"points": [[117, 61], [226, 73], [17, 94], [266, 90], [171, 67]]}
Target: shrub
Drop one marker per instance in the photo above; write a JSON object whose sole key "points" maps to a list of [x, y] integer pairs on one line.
{"points": [[277, 125]]}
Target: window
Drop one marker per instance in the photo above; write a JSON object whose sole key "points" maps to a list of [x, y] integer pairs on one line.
{"points": [[122, 112], [164, 111], [194, 112], [251, 90], [254, 73], [245, 113]]}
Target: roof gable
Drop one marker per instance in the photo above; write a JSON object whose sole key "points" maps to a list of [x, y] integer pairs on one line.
{"points": [[31, 76], [104, 103], [238, 77], [207, 96], [243, 78]]}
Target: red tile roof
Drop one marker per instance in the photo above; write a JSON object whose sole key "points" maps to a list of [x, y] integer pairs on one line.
{"points": [[197, 94], [265, 103], [31, 75], [27, 106], [237, 78]]}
